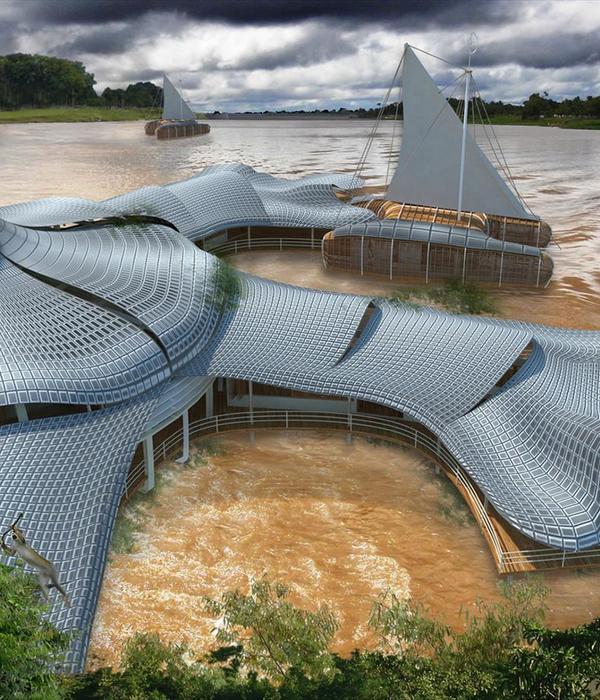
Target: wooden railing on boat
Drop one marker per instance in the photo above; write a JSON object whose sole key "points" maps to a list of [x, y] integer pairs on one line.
{"points": [[504, 228]]}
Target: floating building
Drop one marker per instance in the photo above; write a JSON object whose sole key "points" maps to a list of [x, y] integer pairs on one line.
{"points": [[447, 212], [121, 340]]}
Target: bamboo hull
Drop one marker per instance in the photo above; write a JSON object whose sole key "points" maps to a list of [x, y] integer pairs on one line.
{"points": [[175, 130], [524, 231], [400, 259]]}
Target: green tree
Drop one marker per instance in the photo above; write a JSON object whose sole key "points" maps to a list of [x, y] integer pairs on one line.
{"points": [[30, 647], [274, 634]]}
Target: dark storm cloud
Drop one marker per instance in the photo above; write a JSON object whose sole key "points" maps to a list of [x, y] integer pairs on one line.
{"points": [[99, 41], [557, 51], [315, 47], [448, 12]]}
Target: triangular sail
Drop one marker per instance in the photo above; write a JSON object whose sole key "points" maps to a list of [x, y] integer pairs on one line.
{"points": [[429, 163], [174, 106]]}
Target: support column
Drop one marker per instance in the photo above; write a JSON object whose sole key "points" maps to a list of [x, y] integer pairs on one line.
{"points": [[312, 238], [148, 465], [209, 400], [22, 416], [185, 454], [349, 433], [362, 256], [251, 409]]}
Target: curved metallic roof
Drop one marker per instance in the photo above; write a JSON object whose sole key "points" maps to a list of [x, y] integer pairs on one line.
{"points": [[217, 198], [160, 280], [67, 476], [101, 313], [57, 348], [534, 448], [430, 365], [425, 232], [55, 210]]}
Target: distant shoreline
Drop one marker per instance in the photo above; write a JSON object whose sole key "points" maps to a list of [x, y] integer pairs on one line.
{"points": [[57, 115]]}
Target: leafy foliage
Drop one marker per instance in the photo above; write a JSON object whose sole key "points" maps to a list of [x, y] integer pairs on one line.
{"points": [[276, 635], [503, 653], [29, 645], [453, 296], [40, 81], [228, 286], [275, 651]]}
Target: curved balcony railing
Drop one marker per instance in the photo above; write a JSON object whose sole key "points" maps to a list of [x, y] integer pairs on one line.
{"points": [[380, 426], [242, 244]]}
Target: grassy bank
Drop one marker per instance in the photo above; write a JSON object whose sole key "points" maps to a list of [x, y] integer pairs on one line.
{"points": [[102, 114], [564, 123], [77, 114]]}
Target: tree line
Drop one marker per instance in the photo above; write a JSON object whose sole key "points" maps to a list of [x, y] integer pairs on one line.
{"points": [[32, 80], [536, 106]]}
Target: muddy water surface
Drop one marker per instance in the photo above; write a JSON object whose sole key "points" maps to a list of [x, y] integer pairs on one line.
{"points": [[556, 170], [338, 523]]}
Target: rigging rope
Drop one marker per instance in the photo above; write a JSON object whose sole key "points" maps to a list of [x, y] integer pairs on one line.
{"points": [[387, 171], [439, 58], [367, 147], [502, 162]]}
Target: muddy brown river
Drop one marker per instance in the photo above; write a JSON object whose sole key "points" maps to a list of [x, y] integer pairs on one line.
{"points": [[339, 523]]}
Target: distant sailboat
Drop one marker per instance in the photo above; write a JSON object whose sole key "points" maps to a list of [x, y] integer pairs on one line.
{"points": [[178, 119], [447, 213]]}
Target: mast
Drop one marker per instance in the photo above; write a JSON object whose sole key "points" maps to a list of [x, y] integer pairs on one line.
{"points": [[471, 50], [463, 145]]}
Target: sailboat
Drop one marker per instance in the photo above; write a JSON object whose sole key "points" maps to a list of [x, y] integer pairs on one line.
{"points": [[178, 120], [447, 212]]}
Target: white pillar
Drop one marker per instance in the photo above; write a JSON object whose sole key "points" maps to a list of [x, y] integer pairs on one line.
{"points": [[250, 403], [148, 464], [349, 433], [185, 454], [22, 416], [209, 399], [362, 255]]}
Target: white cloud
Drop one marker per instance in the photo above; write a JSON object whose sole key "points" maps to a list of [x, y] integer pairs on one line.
{"points": [[326, 64]]}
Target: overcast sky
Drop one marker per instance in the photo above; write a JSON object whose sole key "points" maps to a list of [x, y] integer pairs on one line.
{"points": [[288, 54]]}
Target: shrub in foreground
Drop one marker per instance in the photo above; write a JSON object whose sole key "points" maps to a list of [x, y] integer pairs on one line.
{"points": [[30, 647]]}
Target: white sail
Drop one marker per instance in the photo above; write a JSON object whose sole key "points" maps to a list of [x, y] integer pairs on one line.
{"points": [[429, 164], [174, 106]]}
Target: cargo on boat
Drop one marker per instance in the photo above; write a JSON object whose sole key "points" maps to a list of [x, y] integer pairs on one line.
{"points": [[534, 232]]}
